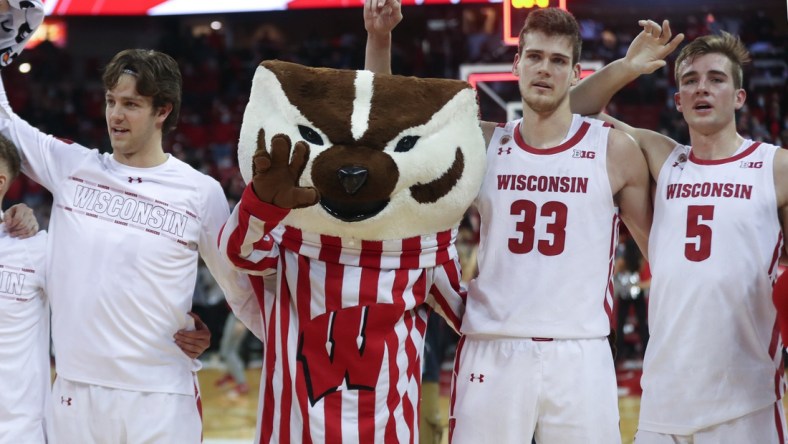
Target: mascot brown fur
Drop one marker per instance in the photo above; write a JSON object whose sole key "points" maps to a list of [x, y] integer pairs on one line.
{"points": [[357, 183]]}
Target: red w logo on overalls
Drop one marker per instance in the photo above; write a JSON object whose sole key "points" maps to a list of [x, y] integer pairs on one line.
{"points": [[346, 346]]}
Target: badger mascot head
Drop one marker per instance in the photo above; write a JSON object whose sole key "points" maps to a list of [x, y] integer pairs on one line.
{"points": [[357, 183], [391, 157]]}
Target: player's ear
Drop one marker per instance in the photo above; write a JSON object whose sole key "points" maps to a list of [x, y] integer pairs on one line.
{"points": [[163, 111], [576, 71], [514, 64], [677, 101], [741, 97]]}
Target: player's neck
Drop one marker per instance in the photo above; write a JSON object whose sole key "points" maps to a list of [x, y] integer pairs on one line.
{"points": [[716, 145], [546, 130], [147, 158]]}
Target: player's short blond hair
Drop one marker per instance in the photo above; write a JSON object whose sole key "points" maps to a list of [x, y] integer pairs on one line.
{"points": [[724, 43], [9, 157]]}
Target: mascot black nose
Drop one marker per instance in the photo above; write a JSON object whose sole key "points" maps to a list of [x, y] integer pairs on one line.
{"points": [[352, 178]]}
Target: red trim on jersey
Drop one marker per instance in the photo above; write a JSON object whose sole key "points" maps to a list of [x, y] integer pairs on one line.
{"points": [[778, 420], [750, 149], [198, 399], [611, 268], [776, 255], [773, 344], [574, 140], [453, 396]]}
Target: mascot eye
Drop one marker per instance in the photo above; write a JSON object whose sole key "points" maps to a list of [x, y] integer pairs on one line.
{"points": [[406, 144], [310, 135]]}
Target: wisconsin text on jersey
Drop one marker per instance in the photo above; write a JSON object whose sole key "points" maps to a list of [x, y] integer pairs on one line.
{"points": [[708, 189], [125, 208], [11, 283], [552, 184]]}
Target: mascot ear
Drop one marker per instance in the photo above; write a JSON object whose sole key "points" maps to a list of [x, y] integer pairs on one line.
{"points": [[18, 22]]}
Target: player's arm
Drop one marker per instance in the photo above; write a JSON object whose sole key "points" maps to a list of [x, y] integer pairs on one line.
{"points": [[20, 221], [194, 342], [380, 18], [645, 55], [235, 285], [656, 146], [629, 175]]}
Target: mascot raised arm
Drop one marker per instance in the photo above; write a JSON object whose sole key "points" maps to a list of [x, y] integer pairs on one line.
{"points": [[357, 183]]}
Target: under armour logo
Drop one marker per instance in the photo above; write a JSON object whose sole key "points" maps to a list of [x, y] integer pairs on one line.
{"points": [[132, 179], [479, 378], [65, 401], [501, 150]]}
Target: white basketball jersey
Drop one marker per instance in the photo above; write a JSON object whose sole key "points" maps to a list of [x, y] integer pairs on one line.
{"points": [[24, 339], [715, 349], [548, 231]]}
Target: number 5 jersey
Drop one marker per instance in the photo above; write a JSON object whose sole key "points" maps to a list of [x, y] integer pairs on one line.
{"points": [[715, 351], [550, 210]]}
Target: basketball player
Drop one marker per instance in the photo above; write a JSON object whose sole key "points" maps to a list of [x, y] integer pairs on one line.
{"points": [[24, 325], [127, 228], [557, 185], [712, 371]]}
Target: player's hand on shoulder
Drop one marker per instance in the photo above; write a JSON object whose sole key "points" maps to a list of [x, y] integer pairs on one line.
{"points": [[381, 16], [648, 50], [20, 221], [194, 342]]}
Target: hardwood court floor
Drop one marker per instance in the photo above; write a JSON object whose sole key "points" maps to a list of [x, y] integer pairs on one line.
{"points": [[229, 418]]}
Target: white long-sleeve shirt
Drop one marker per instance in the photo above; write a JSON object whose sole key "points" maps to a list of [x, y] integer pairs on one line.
{"points": [[122, 260]]}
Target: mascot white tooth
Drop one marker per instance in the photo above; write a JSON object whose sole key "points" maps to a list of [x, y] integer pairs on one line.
{"points": [[356, 185]]}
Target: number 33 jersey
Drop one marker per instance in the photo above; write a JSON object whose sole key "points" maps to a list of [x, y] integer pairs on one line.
{"points": [[714, 352], [548, 232]]}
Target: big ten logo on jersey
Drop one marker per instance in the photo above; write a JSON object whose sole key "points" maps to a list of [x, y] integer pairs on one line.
{"points": [[745, 164], [581, 154], [344, 349]]}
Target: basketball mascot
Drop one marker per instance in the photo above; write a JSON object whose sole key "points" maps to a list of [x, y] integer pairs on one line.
{"points": [[356, 185]]}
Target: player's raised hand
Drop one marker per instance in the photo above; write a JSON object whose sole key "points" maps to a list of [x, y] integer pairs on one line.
{"points": [[648, 50], [381, 16], [20, 222], [275, 176]]}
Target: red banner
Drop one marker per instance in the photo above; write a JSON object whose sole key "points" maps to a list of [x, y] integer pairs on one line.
{"points": [[184, 7]]}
